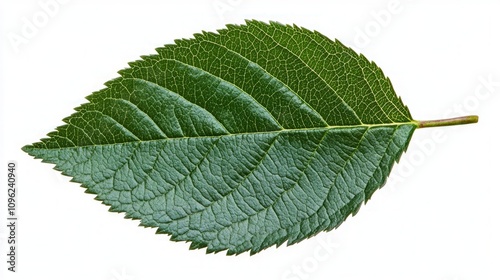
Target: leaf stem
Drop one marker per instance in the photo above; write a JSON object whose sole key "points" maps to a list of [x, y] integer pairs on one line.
{"points": [[448, 122]]}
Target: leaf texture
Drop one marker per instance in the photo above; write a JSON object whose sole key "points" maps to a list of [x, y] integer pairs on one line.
{"points": [[254, 136]]}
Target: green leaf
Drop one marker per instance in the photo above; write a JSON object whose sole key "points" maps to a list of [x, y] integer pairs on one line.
{"points": [[240, 140]]}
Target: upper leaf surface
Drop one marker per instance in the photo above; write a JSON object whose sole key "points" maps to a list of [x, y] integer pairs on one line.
{"points": [[239, 140]]}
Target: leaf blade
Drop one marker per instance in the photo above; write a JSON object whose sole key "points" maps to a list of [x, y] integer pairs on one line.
{"points": [[232, 148]]}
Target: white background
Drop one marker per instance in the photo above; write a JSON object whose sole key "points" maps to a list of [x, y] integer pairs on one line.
{"points": [[437, 218]]}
